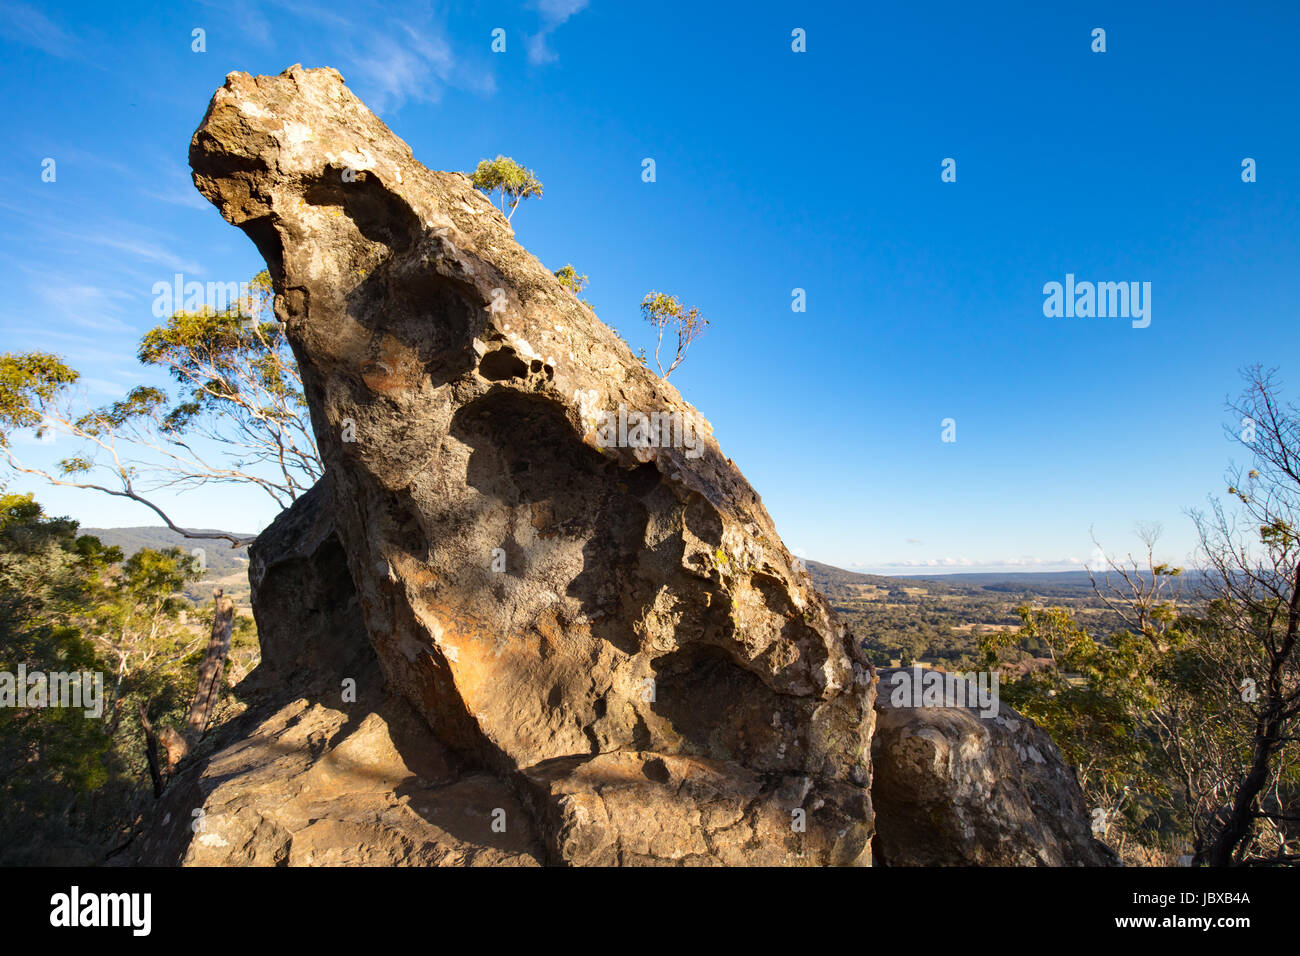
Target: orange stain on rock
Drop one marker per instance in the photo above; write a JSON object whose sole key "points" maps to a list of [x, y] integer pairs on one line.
{"points": [[396, 368]]}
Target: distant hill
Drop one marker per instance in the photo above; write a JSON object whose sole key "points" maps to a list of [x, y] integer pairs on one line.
{"points": [[1042, 584], [836, 582], [825, 575], [880, 606], [1068, 578], [227, 567], [220, 556], [1029, 580]]}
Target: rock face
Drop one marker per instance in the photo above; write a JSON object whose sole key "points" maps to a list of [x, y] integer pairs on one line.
{"points": [[312, 774], [597, 616], [955, 789]]}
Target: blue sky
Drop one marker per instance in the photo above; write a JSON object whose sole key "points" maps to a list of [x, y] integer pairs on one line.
{"points": [[775, 170]]}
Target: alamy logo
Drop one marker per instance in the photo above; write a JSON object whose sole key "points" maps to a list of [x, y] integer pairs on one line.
{"points": [[919, 687], [76, 689], [102, 909], [1102, 300], [171, 297], [638, 430]]}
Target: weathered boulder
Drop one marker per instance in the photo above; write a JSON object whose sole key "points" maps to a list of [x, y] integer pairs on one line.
{"points": [[602, 617], [309, 622], [954, 788]]}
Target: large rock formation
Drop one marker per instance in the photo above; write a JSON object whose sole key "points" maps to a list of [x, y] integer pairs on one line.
{"points": [[601, 618], [503, 631]]}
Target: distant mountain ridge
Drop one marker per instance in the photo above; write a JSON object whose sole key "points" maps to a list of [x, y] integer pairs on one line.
{"points": [[220, 558], [830, 580], [1042, 583]]}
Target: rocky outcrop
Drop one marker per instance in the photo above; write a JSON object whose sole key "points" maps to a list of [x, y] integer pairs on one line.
{"points": [[312, 785], [558, 570], [954, 788], [521, 621]]}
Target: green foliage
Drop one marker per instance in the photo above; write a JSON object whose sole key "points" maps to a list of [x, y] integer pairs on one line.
{"points": [[47, 755], [68, 603], [225, 567], [1153, 721], [513, 182], [239, 388], [45, 574], [140, 402], [235, 363], [1143, 696], [1092, 701], [28, 382], [570, 279], [658, 307]]}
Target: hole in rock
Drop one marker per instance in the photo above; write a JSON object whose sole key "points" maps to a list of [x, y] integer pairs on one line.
{"points": [[501, 365], [656, 770]]}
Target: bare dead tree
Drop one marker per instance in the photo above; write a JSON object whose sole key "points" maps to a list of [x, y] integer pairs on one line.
{"points": [[1253, 564], [210, 671], [1140, 593], [178, 743]]}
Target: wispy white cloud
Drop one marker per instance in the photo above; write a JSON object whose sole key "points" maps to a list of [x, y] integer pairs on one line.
{"points": [[142, 249], [27, 436], [26, 24], [113, 363], [45, 332], [310, 11], [539, 51], [58, 307], [252, 25], [558, 11], [936, 563], [391, 60], [69, 157], [395, 68], [103, 386], [86, 306], [121, 237], [554, 14], [179, 196]]}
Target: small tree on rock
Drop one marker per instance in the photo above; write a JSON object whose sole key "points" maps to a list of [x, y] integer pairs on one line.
{"points": [[503, 175], [570, 279], [665, 312]]}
